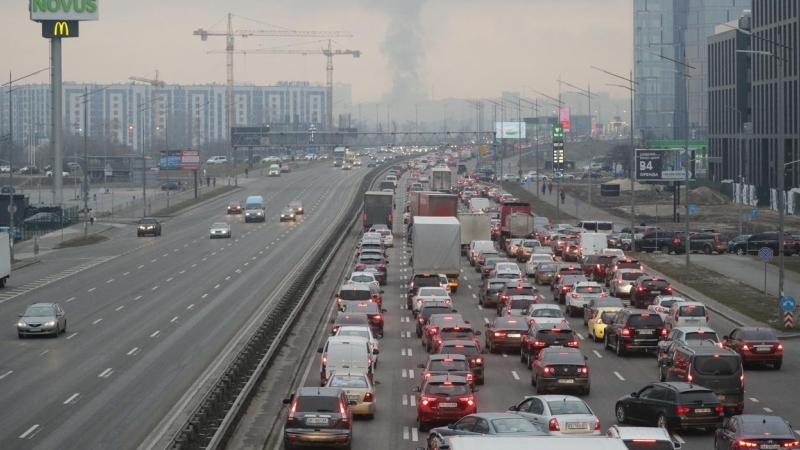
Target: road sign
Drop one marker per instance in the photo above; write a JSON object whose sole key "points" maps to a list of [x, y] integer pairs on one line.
{"points": [[754, 212], [765, 254], [665, 164], [788, 320], [484, 149], [576, 202], [692, 208], [190, 160], [12, 208], [788, 303]]}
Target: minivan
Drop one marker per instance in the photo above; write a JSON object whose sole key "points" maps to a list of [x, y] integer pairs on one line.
{"points": [[345, 354], [217, 160], [719, 369], [597, 226], [476, 247], [274, 170], [254, 209]]}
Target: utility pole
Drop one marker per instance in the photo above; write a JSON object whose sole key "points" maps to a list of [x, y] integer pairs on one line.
{"points": [[588, 94]]}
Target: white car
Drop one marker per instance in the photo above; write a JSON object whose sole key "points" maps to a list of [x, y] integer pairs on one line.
{"points": [[5, 169], [445, 283], [362, 331], [433, 294], [274, 171], [387, 237], [663, 303], [613, 251], [536, 258], [63, 173], [371, 235], [270, 160], [362, 277], [217, 160], [578, 297], [622, 281], [507, 270], [357, 163], [544, 313], [683, 314], [220, 230], [310, 157]]}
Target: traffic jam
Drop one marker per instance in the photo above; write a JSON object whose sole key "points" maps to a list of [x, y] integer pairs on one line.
{"points": [[477, 279]]}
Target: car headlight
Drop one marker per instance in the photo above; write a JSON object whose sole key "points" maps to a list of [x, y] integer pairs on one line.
{"points": [[50, 323], [22, 324]]}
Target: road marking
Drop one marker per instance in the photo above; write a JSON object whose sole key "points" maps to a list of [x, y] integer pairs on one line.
{"points": [[619, 376], [405, 373], [106, 373], [410, 353], [155, 334], [202, 260], [194, 264], [246, 263], [679, 439], [204, 296], [514, 374], [480, 307], [90, 290], [153, 260], [754, 400], [71, 299], [413, 399], [405, 399], [190, 306], [402, 352], [169, 279], [174, 319], [154, 288], [138, 297], [227, 278], [119, 308], [6, 374], [73, 397], [167, 254], [596, 353], [69, 337], [217, 286], [405, 433], [414, 435], [182, 272], [410, 373], [486, 319], [140, 266], [768, 410], [404, 319], [30, 430], [40, 354], [126, 273], [133, 351], [580, 336], [97, 321], [110, 281]]}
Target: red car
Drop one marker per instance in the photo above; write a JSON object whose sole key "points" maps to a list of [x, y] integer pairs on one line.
{"points": [[286, 169], [756, 345], [456, 331], [444, 399]]}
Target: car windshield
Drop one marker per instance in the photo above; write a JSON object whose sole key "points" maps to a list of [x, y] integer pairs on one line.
{"points": [[547, 312], [648, 444], [466, 350], [348, 381], [362, 279], [220, 225], [496, 286], [548, 268], [503, 426], [531, 244], [148, 221], [432, 292], [701, 336], [317, 403], [354, 332], [568, 406], [631, 276], [253, 206], [520, 290], [759, 335], [355, 294], [555, 333], [717, 365], [655, 284], [452, 333], [449, 365], [770, 428], [355, 319], [426, 281], [563, 358], [645, 321], [588, 289], [447, 388], [607, 317], [521, 303], [692, 311], [39, 311]]}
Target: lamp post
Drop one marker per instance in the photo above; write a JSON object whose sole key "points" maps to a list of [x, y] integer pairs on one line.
{"points": [[534, 106], [141, 108], [740, 124], [85, 188], [588, 94]]}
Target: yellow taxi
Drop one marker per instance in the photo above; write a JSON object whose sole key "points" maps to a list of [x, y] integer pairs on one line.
{"points": [[360, 391], [597, 323]]}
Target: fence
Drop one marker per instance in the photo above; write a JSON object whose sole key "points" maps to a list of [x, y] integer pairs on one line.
{"points": [[40, 221]]}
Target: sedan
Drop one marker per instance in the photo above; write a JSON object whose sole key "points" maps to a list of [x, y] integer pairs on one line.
{"points": [[444, 399], [42, 318], [288, 214], [544, 313], [541, 271], [171, 186], [503, 424], [505, 333], [756, 431], [360, 391], [429, 294], [559, 415], [579, 296], [235, 207], [148, 225], [756, 345], [220, 229]]}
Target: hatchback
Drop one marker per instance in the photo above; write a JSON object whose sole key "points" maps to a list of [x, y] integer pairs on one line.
{"points": [[560, 369], [687, 314], [757, 431], [317, 416], [444, 399]]}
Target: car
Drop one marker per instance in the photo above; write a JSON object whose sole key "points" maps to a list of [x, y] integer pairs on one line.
{"points": [[579, 295], [709, 243], [740, 242], [270, 159], [220, 229], [481, 258], [274, 170], [148, 225], [543, 314], [49, 173], [420, 280], [373, 312], [488, 266], [42, 318], [756, 345], [305, 424], [516, 305], [605, 302], [297, 206], [45, 221], [513, 246], [595, 266], [565, 270], [620, 263], [30, 170], [427, 310], [453, 331], [671, 405], [444, 399], [235, 207], [505, 269], [491, 424], [644, 438], [363, 277], [171, 186], [286, 169], [511, 289], [489, 292], [558, 415], [504, 333], [564, 285], [357, 163], [622, 280], [571, 252], [470, 348], [365, 332], [687, 336], [542, 272], [429, 294], [217, 160], [288, 214], [664, 241], [757, 431], [560, 369], [435, 323], [600, 318], [634, 329], [347, 166], [355, 319], [359, 389], [357, 293], [446, 364], [543, 335], [646, 289], [686, 314], [7, 189], [387, 237]]}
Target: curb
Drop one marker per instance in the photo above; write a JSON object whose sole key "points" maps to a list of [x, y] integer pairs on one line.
{"points": [[24, 263], [197, 205]]}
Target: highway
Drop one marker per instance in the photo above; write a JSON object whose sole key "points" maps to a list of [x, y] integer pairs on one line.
{"points": [[507, 379], [148, 318]]}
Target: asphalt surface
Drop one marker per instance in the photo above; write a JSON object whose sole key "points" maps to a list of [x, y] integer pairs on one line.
{"points": [[148, 317], [508, 380]]}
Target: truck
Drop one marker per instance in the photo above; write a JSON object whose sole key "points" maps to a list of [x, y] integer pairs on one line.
{"points": [[5, 258], [506, 209], [465, 155], [474, 227], [437, 248], [441, 178], [377, 209], [437, 204], [520, 225]]}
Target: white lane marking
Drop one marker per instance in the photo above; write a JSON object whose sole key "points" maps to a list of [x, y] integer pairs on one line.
{"points": [[246, 263], [414, 435], [190, 306], [30, 430], [410, 373], [768, 410], [140, 266], [40, 354], [410, 353], [169, 279], [580, 336], [405, 433], [72, 335], [90, 290], [204, 296], [469, 287], [155, 334], [182, 272], [202, 260], [405, 373], [405, 399], [71, 299], [153, 260], [174, 319], [154, 288], [514, 374], [619, 376], [480, 307], [194, 264], [227, 278], [6, 374], [133, 351], [217, 286], [97, 321], [413, 399], [679, 439], [106, 373], [110, 281], [486, 319], [596, 353], [119, 308], [402, 352], [71, 398], [137, 298], [213, 253], [754, 400], [126, 273]]}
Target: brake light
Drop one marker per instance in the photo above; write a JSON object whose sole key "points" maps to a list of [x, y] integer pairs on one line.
{"points": [[427, 375], [508, 312], [378, 317], [599, 321], [576, 296], [564, 288], [626, 332], [747, 444], [421, 319], [499, 334], [539, 343], [553, 425], [478, 361], [368, 397], [343, 412], [563, 321], [745, 347], [469, 400], [682, 410], [469, 377], [716, 238], [677, 240], [572, 344], [791, 444], [663, 331], [433, 330], [603, 295], [381, 266], [596, 424], [427, 400], [360, 266], [720, 409], [547, 369], [583, 370], [779, 348], [293, 409]]}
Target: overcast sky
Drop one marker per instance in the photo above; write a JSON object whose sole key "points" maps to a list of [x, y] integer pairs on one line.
{"points": [[410, 48]]}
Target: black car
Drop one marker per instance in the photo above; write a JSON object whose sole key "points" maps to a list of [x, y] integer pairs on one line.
{"points": [[514, 289], [543, 335], [7, 189], [671, 405], [560, 369], [148, 225], [646, 289], [505, 333], [428, 309], [490, 291], [373, 312], [755, 431], [768, 239], [664, 241], [318, 416], [44, 221], [170, 187], [375, 263], [634, 329]]}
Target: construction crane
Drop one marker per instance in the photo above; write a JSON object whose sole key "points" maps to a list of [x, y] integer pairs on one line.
{"points": [[329, 53], [155, 117], [229, 49]]}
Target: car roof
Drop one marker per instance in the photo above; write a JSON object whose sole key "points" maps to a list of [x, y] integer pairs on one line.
{"points": [[318, 392], [557, 349], [681, 386], [587, 283], [507, 320], [761, 418], [544, 306]]}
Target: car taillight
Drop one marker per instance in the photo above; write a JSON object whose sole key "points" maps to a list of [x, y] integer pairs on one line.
{"points": [[583, 370], [479, 361], [599, 321], [626, 332], [290, 418], [433, 330], [572, 344], [368, 397], [425, 401], [343, 412], [576, 295], [360, 266], [565, 288], [499, 334], [668, 289], [508, 312], [596, 424], [791, 444], [745, 347], [378, 317], [470, 377], [747, 444], [421, 320], [682, 410], [381, 266], [720, 409], [427, 375], [663, 331], [547, 369], [553, 425], [539, 343], [469, 400], [335, 329], [563, 321], [779, 348]]}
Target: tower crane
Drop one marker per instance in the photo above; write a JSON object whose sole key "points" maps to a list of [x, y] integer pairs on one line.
{"points": [[230, 33], [329, 53], [155, 117]]}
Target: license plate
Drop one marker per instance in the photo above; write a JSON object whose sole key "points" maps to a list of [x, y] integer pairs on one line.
{"points": [[448, 405], [702, 410], [566, 381], [317, 420], [692, 320], [763, 349], [769, 446], [352, 397], [646, 331], [577, 426], [371, 269], [721, 397], [515, 335], [655, 292]]}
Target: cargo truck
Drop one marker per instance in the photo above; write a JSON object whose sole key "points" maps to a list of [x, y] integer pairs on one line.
{"points": [[429, 203], [5, 259], [506, 209], [441, 178], [437, 248], [520, 225], [474, 227], [377, 209]]}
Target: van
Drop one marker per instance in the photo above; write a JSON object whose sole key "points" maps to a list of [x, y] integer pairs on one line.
{"points": [[479, 204], [345, 354], [598, 226], [719, 369], [274, 170], [254, 209], [217, 160], [593, 243], [682, 314], [476, 247]]}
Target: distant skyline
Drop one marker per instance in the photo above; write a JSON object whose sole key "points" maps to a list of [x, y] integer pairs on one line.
{"points": [[412, 50]]}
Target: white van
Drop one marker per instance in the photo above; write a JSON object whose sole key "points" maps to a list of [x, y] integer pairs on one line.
{"points": [[479, 204], [274, 170], [217, 160], [475, 249], [593, 243], [687, 314], [254, 209], [345, 354], [599, 226]]}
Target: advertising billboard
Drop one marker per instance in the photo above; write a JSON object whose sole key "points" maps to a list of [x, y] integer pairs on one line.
{"points": [[509, 130], [64, 10], [190, 160], [666, 164], [564, 117]]}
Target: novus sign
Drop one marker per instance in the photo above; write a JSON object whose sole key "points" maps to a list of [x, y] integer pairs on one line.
{"points": [[63, 10]]}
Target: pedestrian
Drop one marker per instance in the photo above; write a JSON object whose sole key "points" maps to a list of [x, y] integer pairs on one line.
{"points": [[208, 180], [214, 180], [246, 171], [550, 188], [91, 216], [563, 197], [544, 188]]}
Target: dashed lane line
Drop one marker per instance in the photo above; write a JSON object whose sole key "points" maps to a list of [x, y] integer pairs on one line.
{"points": [[6, 374], [514, 374], [71, 398], [30, 432], [596, 353], [619, 376], [106, 373]]}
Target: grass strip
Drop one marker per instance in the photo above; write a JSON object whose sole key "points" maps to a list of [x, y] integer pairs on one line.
{"points": [[81, 241], [194, 201]]}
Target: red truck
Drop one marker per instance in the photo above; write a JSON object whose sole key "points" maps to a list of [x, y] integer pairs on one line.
{"points": [[429, 203], [505, 210]]}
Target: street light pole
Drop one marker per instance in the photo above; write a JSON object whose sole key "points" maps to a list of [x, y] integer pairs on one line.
{"points": [[588, 94], [739, 149]]}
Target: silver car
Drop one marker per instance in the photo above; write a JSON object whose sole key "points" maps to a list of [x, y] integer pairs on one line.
{"points": [[220, 230], [622, 281], [42, 318], [288, 214], [559, 415], [579, 295]]}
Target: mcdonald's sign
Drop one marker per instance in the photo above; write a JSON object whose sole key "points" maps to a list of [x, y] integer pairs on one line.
{"points": [[60, 29]]}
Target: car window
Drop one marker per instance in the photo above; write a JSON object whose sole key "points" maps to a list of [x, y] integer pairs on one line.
{"points": [[646, 444], [362, 279], [547, 312], [716, 365], [354, 332], [758, 335], [348, 381], [316, 403], [466, 424], [466, 350], [588, 289], [692, 311], [697, 336], [630, 276], [427, 312], [516, 425], [568, 407], [563, 358], [451, 333], [770, 428], [536, 406], [451, 390], [448, 365], [607, 317], [645, 320], [481, 427], [433, 291], [655, 284], [700, 397], [669, 303]]}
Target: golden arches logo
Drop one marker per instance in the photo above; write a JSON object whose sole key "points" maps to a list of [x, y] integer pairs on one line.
{"points": [[61, 29]]}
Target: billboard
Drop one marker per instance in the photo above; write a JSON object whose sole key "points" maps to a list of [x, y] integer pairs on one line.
{"points": [[564, 117], [190, 160], [64, 10], [667, 164], [509, 130]]}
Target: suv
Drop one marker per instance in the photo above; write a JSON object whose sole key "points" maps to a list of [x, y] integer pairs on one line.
{"points": [[543, 335], [564, 271], [595, 267], [579, 296], [427, 310], [461, 331], [646, 289], [634, 329], [504, 332], [665, 241], [622, 263], [708, 243], [444, 399], [768, 239], [490, 292], [564, 285], [318, 415]]}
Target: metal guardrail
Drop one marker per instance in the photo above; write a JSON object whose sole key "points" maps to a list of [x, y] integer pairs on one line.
{"points": [[227, 399]]}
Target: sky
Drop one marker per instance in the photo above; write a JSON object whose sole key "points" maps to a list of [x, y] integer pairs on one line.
{"points": [[411, 50]]}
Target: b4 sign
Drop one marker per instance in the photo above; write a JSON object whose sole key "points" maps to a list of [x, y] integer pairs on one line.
{"points": [[61, 10]]}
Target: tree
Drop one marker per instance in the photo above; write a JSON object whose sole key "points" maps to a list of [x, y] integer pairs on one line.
{"points": [[621, 155]]}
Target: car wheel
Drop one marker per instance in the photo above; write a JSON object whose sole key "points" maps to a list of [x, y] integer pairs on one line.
{"points": [[707, 249], [661, 421], [592, 335], [423, 426], [620, 349], [619, 412], [777, 365], [138, 234], [533, 379], [665, 249]]}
